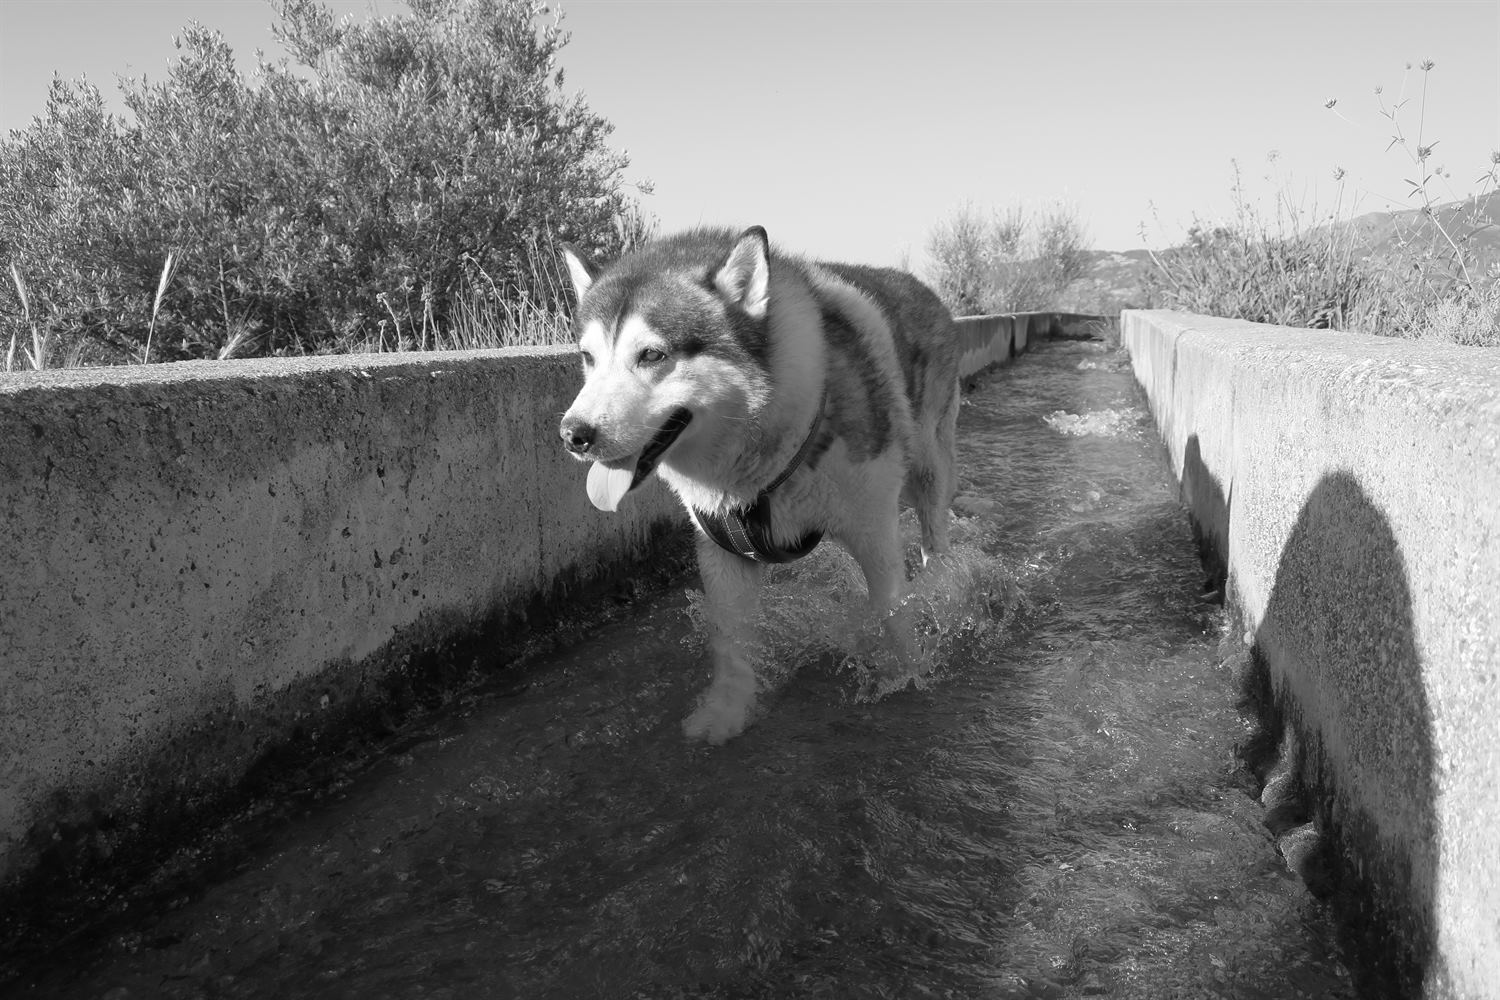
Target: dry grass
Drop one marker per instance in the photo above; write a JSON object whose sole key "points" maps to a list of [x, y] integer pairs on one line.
{"points": [[1471, 319], [527, 309]]}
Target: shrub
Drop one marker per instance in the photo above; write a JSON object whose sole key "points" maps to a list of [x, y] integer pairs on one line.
{"points": [[392, 182], [1010, 262]]}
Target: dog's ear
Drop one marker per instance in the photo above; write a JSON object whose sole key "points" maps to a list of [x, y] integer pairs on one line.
{"points": [[580, 269], [745, 277]]}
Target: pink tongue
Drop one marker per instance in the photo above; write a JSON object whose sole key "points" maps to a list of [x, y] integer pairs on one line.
{"points": [[609, 482]]}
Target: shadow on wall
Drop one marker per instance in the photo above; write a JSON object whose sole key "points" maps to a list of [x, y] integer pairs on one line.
{"points": [[1210, 513], [1338, 636]]}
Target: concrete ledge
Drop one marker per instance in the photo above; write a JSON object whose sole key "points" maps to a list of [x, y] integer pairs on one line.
{"points": [[205, 560], [1352, 485], [986, 342], [993, 341]]}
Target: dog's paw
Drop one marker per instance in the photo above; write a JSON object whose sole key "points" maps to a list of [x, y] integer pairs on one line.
{"points": [[723, 715]]}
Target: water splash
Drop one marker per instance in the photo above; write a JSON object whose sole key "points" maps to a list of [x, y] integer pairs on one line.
{"points": [[1099, 423], [815, 611]]}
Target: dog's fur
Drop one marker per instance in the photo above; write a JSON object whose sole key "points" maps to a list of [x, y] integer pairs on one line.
{"points": [[751, 342]]}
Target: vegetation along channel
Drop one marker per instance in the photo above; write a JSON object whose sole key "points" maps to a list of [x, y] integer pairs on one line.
{"points": [[1055, 810]]}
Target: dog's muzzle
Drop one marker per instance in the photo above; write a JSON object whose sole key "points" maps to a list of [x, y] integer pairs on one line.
{"points": [[577, 435]]}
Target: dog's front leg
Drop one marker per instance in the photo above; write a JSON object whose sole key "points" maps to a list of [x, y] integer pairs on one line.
{"points": [[731, 585], [877, 549]]}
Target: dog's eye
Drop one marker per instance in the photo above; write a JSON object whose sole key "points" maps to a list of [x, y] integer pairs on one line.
{"points": [[588, 359], [651, 356]]}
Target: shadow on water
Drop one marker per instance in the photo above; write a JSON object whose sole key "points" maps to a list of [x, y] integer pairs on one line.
{"points": [[1336, 676]]}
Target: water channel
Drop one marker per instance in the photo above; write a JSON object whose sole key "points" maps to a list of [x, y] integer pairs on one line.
{"points": [[1055, 809]]}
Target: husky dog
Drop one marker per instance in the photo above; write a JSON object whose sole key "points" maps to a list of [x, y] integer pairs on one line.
{"points": [[781, 400]]}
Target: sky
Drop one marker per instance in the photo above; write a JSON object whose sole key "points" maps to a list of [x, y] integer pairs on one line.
{"points": [[850, 129]]}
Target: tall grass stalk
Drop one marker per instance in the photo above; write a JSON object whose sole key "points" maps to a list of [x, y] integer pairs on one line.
{"points": [[1420, 187], [161, 291], [10, 353], [36, 353]]}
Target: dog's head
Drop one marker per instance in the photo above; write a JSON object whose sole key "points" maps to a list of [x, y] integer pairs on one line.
{"points": [[673, 342]]}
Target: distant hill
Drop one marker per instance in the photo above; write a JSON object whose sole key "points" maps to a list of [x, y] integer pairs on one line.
{"points": [[1118, 280]]}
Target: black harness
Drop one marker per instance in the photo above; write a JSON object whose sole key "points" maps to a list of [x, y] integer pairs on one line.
{"points": [[746, 531]]}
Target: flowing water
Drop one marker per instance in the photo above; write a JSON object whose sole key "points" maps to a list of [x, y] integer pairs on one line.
{"points": [[1054, 809]]}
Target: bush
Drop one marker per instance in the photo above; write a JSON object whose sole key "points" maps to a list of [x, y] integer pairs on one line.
{"points": [[1011, 262], [396, 181]]}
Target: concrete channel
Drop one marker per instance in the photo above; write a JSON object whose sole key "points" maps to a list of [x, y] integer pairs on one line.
{"points": [[222, 573], [214, 569], [1349, 485]]}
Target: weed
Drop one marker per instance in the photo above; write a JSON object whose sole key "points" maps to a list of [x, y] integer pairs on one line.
{"points": [[1421, 275], [1471, 318], [1431, 277]]}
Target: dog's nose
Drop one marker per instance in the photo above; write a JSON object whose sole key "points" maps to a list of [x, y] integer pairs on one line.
{"points": [[577, 435]]}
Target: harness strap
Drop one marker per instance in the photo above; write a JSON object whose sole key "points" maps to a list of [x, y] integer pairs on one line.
{"points": [[802, 452], [746, 531]]}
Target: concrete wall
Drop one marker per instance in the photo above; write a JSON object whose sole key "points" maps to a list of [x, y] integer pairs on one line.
{"points": [[1353, 485], [203, 561], [992, 341], [986, 342]]}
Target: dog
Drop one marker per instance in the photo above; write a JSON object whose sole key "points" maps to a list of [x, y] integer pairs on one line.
{"points": [[782, 400]]}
